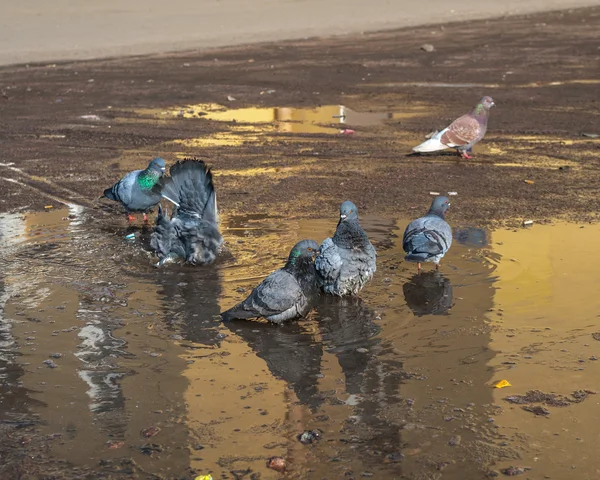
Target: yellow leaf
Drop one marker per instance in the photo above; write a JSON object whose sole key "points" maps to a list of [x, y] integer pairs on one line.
{"points": [[529, 182], [502, 384], [204, 477]]}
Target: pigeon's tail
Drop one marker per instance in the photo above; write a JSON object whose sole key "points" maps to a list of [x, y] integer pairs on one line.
{"points": [[237, 312], [110, 194], [418, 257], [190, 187], [434, 144]]}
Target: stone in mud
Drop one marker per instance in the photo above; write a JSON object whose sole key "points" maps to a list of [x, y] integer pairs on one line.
{"points": [[513, 471], [455, 441], [50, 364], [277, 463], [309, 436]]}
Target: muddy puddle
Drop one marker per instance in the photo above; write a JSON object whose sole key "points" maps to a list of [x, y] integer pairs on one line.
{"points": [[125, 371]]}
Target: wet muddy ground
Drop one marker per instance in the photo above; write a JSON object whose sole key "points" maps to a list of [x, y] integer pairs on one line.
{"points": [[113, 369], [68, 130]]}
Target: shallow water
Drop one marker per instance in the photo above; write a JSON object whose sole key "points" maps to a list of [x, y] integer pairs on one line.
{"points": [[391, 379]]}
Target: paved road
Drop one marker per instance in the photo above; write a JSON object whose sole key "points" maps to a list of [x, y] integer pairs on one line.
{"points": [[39, 30]]}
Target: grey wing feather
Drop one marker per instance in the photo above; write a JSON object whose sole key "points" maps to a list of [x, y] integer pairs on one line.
{"points": [[277, 298], [427, 237]]}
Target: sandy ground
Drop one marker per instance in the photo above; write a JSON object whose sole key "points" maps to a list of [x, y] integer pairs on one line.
{"points": [[36, 31]]}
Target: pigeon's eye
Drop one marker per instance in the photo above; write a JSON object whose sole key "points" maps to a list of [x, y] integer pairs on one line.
{"points": [[310, 249], [351, 211]]}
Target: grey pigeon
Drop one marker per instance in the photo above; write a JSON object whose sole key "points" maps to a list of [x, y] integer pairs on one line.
{"points": [[192, 233], [427, 239], [137, 190], [347, 261], [463, 133], [285, 294]]}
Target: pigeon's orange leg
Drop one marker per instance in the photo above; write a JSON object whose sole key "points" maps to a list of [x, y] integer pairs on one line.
{"points": [[465, 155], [145, 218], [419, 267], [130, 218]]}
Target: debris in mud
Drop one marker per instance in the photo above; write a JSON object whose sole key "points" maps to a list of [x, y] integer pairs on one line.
{"points": [[527, 223], [502, 384], [151, 449], [513, 471], [427, 47], [56, 355], [537, 409], [241, 474], [50, 364], [309, 436], [393, 457], [204, 477], [277, 463], [150, 431], [455, 441], [529, 182], [590, 135], [552, 399], [111, 444], [596, 336]]}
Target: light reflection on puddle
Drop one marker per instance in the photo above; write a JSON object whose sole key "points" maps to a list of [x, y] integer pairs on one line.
{"points": [[398, 372], [259, 122]]}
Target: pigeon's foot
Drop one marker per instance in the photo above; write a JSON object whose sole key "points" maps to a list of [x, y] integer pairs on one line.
{"points": [[419, 267], [145, 219], [465, 155], [130, 218], [437, 266]]}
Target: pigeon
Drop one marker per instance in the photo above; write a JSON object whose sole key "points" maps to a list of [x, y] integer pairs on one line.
{"points": [[285, 294], [192, 233], [347, 261], [427, 239], [136, 191], [463, 133]]}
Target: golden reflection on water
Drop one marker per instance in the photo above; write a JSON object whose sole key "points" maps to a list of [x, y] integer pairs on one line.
{"points": [[522, 308], [546, 308]]}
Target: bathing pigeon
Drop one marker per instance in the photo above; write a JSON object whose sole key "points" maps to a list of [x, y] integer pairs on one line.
{"points": [[136, 191], [285, 294], [192, 232], [347, 261], [427, 239], [463, 133]]}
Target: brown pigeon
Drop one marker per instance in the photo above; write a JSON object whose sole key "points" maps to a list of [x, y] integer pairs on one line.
{"points": [[463, 133]]}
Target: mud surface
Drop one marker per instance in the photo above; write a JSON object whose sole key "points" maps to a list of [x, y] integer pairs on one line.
{"points": [[69, 130], [112, 369]]}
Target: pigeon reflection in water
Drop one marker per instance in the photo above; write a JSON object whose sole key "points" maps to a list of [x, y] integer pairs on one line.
{"points": [[291, 352], [348, 330], [428, 293], [190, 302]]}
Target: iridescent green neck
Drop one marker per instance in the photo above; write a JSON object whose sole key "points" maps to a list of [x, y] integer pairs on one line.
{"points": [[479, 109], [147, 179]]}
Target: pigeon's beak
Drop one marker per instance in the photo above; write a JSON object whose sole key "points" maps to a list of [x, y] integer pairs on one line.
{"points": [[492, 104], [163, 169], [343, 217]]}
